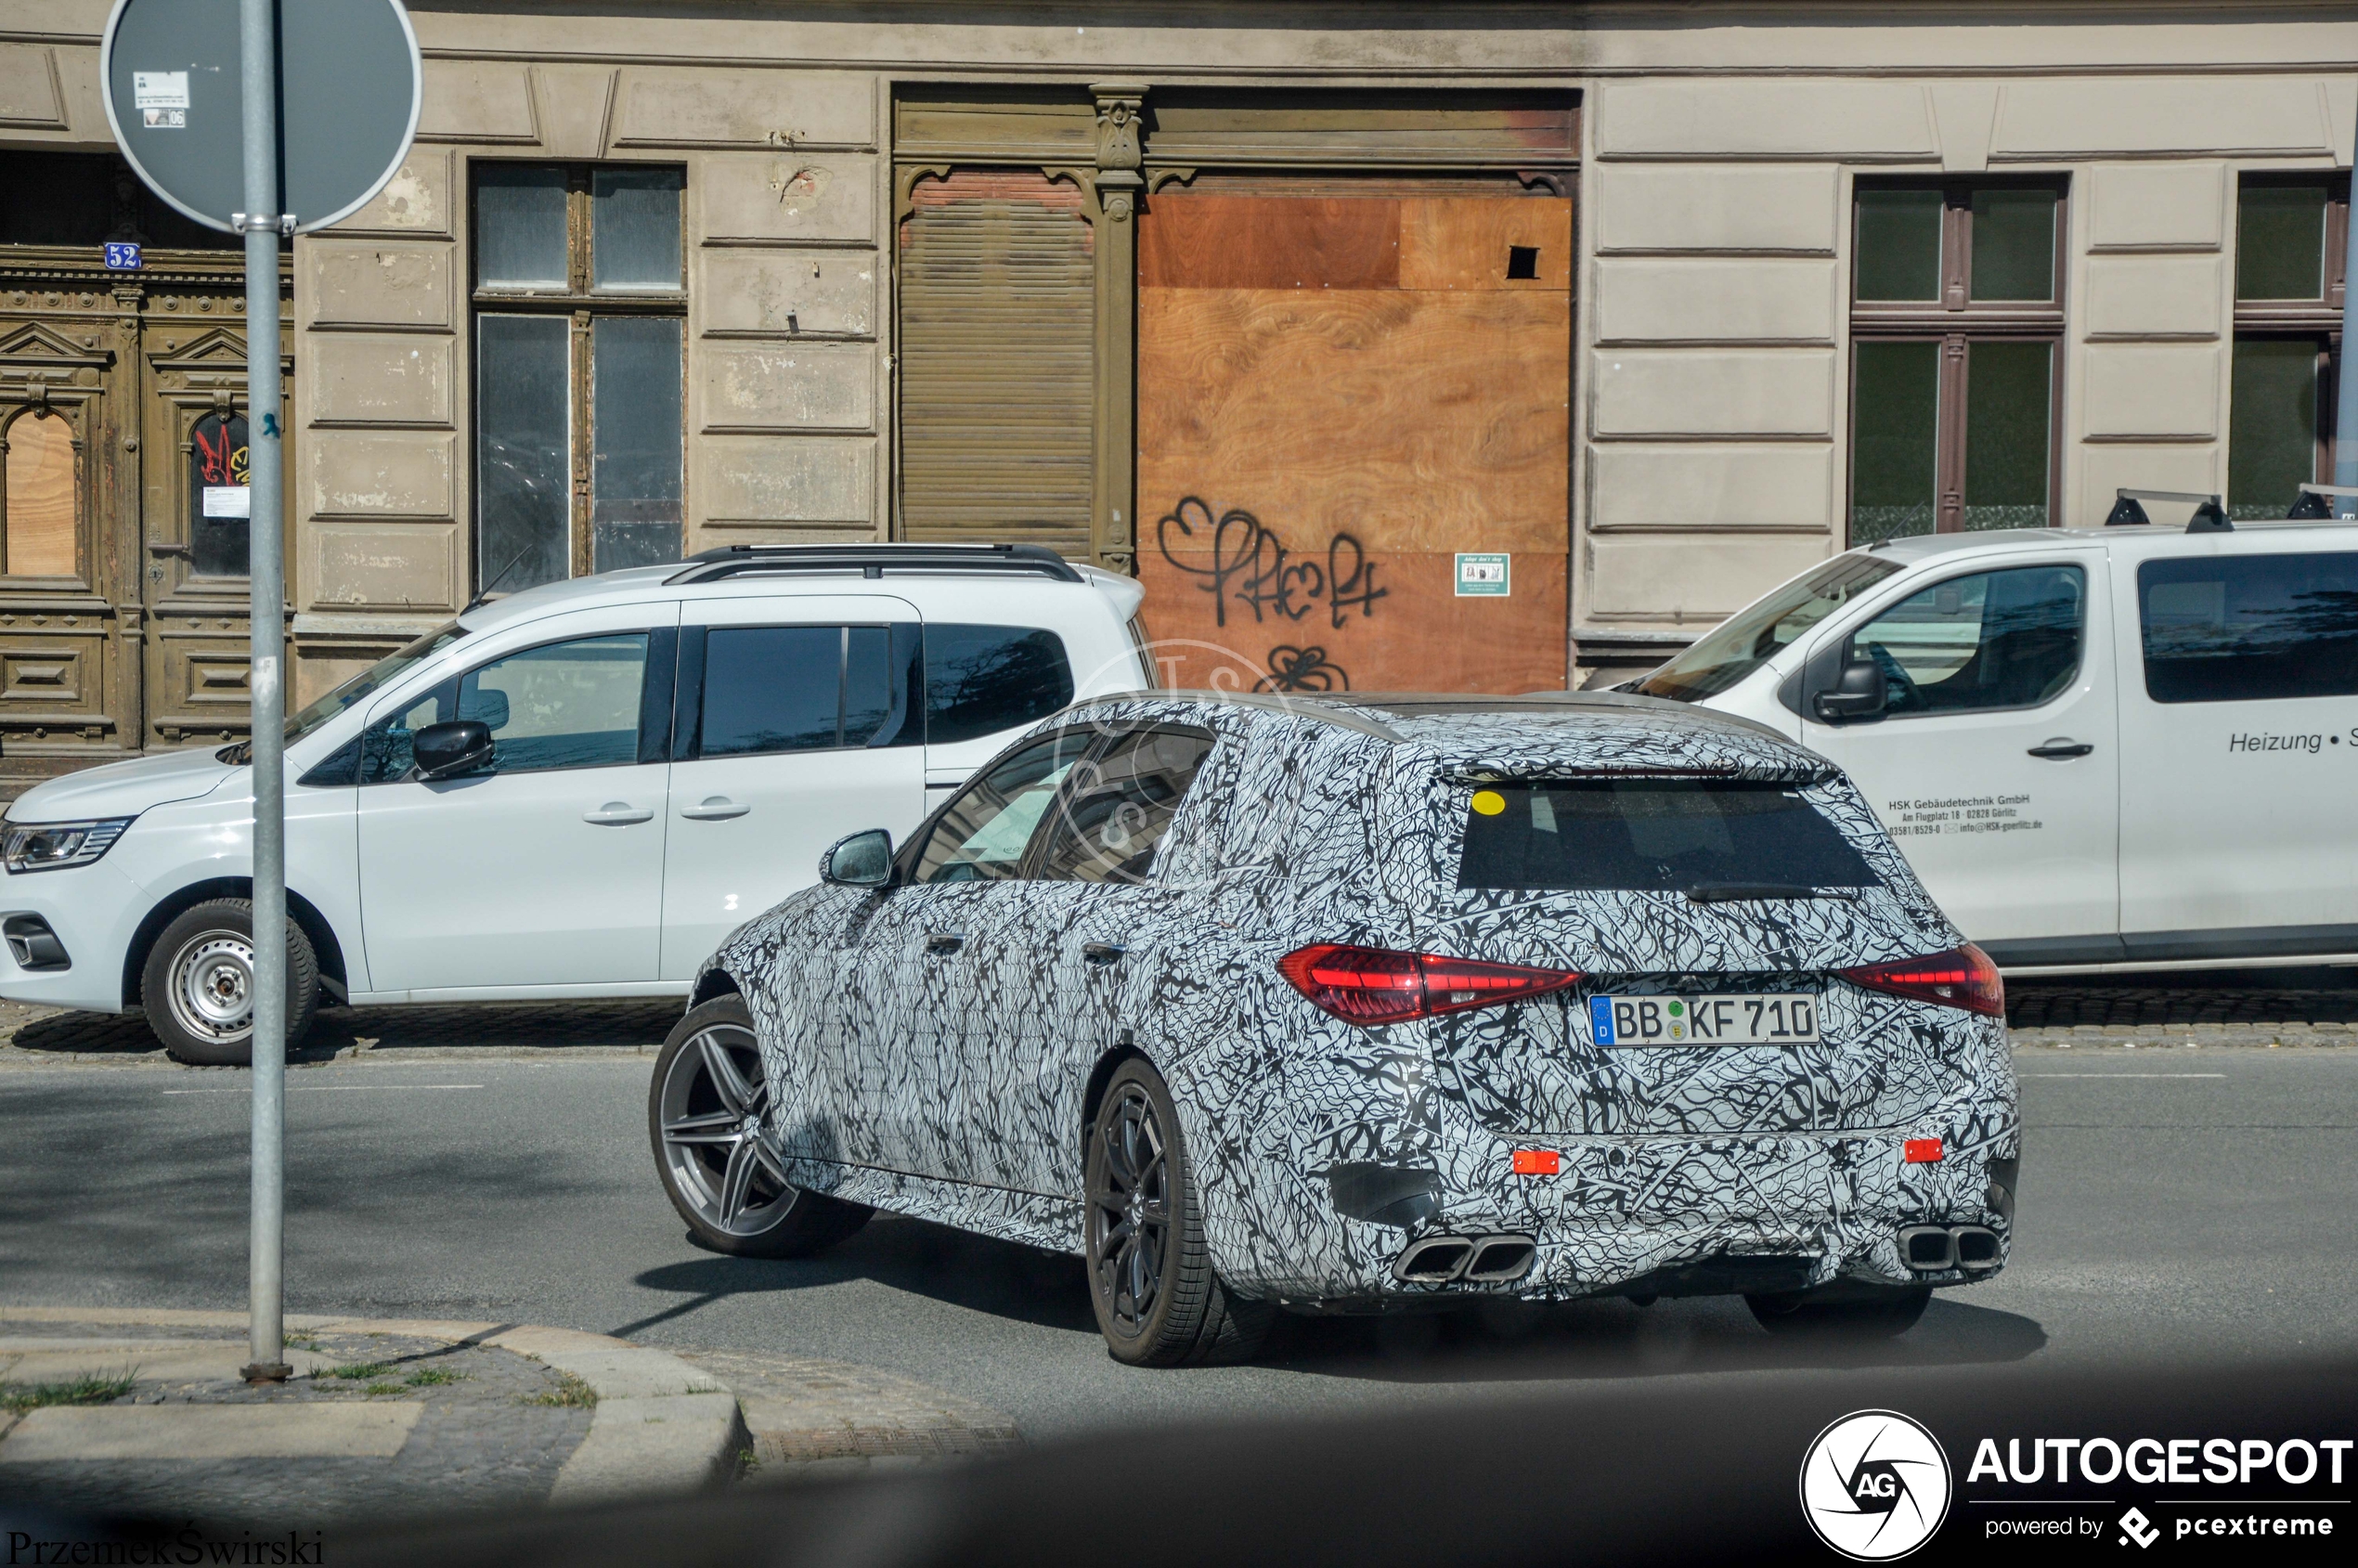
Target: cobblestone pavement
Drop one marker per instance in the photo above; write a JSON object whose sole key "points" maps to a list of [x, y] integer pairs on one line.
{"points": [[495, 1428], [33, 1034], [2240, 1009]]}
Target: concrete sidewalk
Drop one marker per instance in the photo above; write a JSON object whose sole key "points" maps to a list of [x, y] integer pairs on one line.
{"points": [[142, 1411]]}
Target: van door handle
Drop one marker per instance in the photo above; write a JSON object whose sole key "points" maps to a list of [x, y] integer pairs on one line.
{"points": [[2061, 750], [944, 942], [1102, 953], [618, 813], [715, 809]]}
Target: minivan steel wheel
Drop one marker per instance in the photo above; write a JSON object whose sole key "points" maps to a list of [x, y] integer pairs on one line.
{"points": [[708, 1119], [198, 984]]}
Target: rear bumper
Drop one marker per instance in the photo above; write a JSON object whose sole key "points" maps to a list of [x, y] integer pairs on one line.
{"points": [[1661, 1216]]}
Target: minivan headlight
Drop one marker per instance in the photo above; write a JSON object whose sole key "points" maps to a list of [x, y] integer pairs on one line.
{"points": [[55, 846]]}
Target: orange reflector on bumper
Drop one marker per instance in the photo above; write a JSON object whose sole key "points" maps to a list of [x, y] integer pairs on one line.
{"points": [[1548, 1163], [1921, 1151]]}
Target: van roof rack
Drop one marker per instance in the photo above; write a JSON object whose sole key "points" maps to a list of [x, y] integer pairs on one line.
{"points": [[873, 560], [2210, 516], [2315, 502]]}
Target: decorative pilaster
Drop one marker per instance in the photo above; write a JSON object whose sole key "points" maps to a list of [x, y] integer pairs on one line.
{"points": [[1120, 188]]}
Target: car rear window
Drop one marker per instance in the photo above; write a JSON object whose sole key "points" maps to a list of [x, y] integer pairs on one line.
{"points": [[980, 679], [1651, 835]]}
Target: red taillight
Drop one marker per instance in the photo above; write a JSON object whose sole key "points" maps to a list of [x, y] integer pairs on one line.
{"points": [[1962, 976], [1369, 985]]}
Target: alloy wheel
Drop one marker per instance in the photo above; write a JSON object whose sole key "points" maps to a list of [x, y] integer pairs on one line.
{"points": [[718, 1147], [1129, 1209], [211, 992]]}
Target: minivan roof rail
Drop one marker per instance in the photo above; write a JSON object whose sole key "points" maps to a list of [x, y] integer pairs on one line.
{"points": [[873, 560], [2210, 516]]}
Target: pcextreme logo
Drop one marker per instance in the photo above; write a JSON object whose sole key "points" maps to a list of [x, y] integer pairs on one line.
{"points": [[1875, 1486]]}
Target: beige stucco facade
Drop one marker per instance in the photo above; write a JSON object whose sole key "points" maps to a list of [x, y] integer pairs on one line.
{"points": [[1718, 147]]}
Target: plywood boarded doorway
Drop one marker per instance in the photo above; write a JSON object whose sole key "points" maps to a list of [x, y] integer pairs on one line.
{"points": [[1338, 395]]}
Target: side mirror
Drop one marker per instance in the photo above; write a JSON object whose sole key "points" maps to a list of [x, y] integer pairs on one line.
{"points": [[443, 751], [863, 859], [1859, 692]]}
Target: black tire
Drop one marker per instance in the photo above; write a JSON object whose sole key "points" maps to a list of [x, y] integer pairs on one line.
{"points": [[197, 984], [1158, 1301], [714, 1148], [1857, 1313]]}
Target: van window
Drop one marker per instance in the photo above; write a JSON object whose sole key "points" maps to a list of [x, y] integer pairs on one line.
{"points": [[1751, 637], [980, 679], [2249, 627], [1992, 640], [1651, 835]]}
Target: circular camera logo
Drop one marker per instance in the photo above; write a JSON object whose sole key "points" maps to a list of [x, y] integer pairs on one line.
{"points": [[1875, 1486]]}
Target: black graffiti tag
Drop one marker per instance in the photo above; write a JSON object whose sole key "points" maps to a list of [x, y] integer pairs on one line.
{"points": [[1252, 566]]}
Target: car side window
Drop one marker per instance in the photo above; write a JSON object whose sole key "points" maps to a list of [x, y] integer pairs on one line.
{"points": [[980, 679], [566, 705], [982, 835], [2225, 628], [802, 688], [1992, 640], [1118, 808]]}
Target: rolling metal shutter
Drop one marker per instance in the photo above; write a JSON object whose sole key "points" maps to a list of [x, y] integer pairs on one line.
{"points": [[996, 325]]}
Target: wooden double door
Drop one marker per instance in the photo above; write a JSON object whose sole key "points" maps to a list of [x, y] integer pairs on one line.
{"points": [[123, 543]]}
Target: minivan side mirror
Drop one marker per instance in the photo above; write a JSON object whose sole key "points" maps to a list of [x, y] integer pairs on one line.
{"points": [[1859, 692], [443, 751], [862, 859]]}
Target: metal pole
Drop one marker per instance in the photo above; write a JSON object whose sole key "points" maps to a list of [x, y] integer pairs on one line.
{"points": [[2346, 398], [257, 22]]}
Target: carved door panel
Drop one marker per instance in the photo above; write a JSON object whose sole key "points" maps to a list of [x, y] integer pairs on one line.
{"points": [[195, 527], [67, 380]]}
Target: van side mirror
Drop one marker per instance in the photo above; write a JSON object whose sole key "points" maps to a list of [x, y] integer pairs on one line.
{"points": [[443, 751], [863, 859], [1859, 692]]}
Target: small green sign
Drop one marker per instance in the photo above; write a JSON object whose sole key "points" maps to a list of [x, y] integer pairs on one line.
{"points": [[1481, 575]]}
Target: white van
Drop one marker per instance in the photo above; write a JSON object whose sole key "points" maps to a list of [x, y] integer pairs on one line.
{"points": [[573, 792], [2102, 748]]}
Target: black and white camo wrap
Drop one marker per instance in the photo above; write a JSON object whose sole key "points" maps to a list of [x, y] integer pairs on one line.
{"points": [[954, 1088]]}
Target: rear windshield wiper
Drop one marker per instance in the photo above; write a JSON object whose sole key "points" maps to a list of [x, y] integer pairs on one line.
{"points": [[1735, 892]]}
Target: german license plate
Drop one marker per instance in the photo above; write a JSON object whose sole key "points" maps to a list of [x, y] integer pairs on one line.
{"points": [[1753, 1019]]}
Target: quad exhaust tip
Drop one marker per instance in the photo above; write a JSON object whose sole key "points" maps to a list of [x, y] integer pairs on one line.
{"points": [[1482, 1260], [1938, 1249]]}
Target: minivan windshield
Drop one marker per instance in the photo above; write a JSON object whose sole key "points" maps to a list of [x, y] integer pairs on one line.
{"points": [[1751, 636], [372, 680]]}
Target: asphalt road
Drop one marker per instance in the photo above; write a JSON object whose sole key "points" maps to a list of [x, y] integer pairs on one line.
{"points": [[2179, 1207]]}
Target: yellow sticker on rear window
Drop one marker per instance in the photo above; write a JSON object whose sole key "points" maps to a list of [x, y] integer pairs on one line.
{"points": [[1489, 802]]}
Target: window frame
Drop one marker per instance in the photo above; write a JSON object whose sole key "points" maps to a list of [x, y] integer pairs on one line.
{"points": [[581, 305], [695, 671], [1035, 856], [1844, 645], [912, 853], [1955, 321], [2317, 321]]}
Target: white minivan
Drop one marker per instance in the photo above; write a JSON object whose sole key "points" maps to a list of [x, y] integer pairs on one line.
{"points": [[2126, 747], [576, 791]]}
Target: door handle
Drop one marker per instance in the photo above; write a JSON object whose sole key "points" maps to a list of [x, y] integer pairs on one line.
{"points": [[2062, 749], [715, 809], [1102, 953], [944, 942], [618, 813]]}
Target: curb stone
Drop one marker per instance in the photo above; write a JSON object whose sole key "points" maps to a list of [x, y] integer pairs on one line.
{"points": [[661, 1427]]}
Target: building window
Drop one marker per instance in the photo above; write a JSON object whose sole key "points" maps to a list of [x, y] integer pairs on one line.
{"points": [[219, 491], [1956, 326], [580, 295], [2289, 234]]}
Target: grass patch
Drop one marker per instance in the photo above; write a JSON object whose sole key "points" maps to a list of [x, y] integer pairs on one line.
{"points": [[570, 1389], [374, 1389], [433, 1377], [359, 1371], [21, 1398]]}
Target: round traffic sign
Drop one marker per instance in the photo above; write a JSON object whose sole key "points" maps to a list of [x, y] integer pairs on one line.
{"points": [[349, 82]]}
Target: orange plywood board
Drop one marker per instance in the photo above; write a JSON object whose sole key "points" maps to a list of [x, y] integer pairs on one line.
{"points": [[1464, 242]]}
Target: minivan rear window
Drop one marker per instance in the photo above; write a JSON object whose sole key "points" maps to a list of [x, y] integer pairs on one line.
{"points": [[1652, 834], [2225, 628]]}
